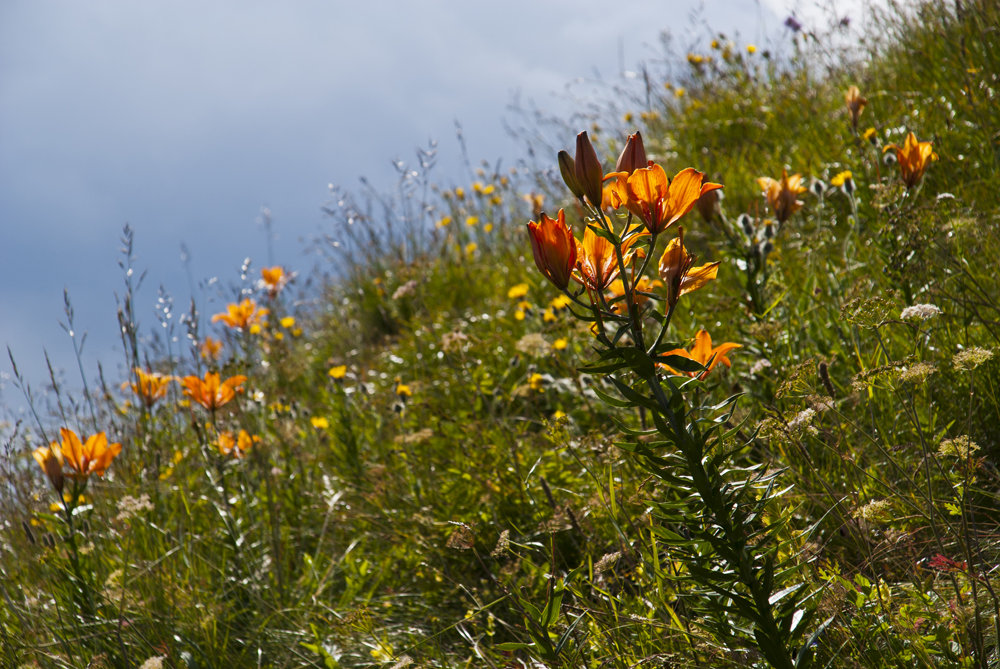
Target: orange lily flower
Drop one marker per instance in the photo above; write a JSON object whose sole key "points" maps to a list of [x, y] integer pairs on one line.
{"points": [[210, 348], [855, 104], [658, 201], [617, 289], [554, 248], [50, 459], [913, 157], [703, 352], [242, 315], [236, 445], [274, 279], [84, 458], [210, 393], [677, 272], [782, 195], [151, 387], [596, 261]]}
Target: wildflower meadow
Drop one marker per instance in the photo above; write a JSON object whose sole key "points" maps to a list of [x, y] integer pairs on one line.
{"points": [[712, 382]]}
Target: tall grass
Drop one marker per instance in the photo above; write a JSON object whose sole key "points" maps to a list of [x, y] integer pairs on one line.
{"points": [[434, 472]]}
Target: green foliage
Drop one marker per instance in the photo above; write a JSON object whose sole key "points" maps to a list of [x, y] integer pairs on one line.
{"points": [[486, 484]]}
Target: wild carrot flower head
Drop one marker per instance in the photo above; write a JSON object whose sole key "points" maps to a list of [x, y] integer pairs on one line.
{"points": [[84, 458], [151, 386], [241, 316], [677, 272], [703, 353], [913, 157], [782, 194], [554, 248], [211, 392], [855, 104]]}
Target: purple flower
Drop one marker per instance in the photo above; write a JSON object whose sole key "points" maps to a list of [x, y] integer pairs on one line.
{"points": [[793, 23]]}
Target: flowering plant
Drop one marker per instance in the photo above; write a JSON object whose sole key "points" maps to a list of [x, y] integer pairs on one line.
{"points": [[714, 522]]}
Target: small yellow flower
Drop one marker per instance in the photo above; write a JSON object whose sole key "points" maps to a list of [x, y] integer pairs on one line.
{"points": [[488, 190], [518, 291], [519, 315], [839, 180], [679, 92], [178, 456], [869, 134], [627, 117], [443, 222], [715, 44], [254, 329], [297, 332], [560, 344], [751, 48], [536, 382], [338, 372], [488, 227], [548, 316], [695, 59], [287, 322], [471, 247], [460, 193], [560, 302], [403, 390], [478, 187], [319, 422], [558, 414], [472, 220], [279, 336]]}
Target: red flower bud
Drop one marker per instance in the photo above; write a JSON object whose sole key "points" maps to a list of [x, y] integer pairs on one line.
{"points": [[633, 156], [589, 172], [568, 170]]}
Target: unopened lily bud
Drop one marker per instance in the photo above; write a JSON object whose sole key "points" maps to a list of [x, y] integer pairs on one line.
{"points": [[51, 461], [708, 204], [633, 156], [589, 172], [568, 170]]}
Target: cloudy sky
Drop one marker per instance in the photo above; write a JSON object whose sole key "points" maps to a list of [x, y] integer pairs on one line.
{"points": [[183, 118]]}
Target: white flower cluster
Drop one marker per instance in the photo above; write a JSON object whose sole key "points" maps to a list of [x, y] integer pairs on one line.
{"points": [[129, 506], [920, 312], [154, 662], [801, 422], [970, 358]]}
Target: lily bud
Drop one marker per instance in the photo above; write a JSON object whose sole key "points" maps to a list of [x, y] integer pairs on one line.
{"points": [[855, 104], [568, 170], [554, 248], [589, 172], [51, 461], [633, 156], [708, 204]]}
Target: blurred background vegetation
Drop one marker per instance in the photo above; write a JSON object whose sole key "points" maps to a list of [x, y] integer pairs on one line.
{"points": [[431, 464]]}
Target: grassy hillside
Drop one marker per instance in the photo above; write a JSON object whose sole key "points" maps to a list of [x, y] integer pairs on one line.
{"points": [[416, 470]]}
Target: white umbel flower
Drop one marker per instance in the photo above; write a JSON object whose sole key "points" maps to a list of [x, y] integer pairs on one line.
{"points": [[920, 312]]}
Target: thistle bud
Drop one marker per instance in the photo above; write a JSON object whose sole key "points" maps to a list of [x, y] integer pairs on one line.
{"points": [[633, 156], [849, 186], [746, 223], [589, 172], [568, 170], [889, 158]]}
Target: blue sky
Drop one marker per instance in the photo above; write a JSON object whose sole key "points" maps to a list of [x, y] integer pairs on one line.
{"points": [[183, 118]]}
